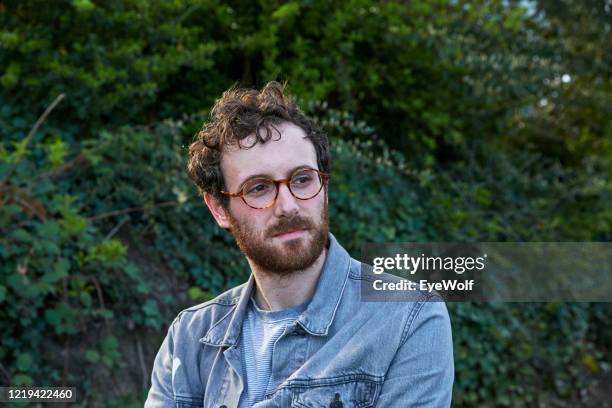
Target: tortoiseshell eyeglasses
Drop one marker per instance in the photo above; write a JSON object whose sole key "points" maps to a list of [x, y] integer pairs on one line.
{"points": [[261, 192]]}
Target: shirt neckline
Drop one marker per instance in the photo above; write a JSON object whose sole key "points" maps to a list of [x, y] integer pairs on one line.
{"points": [[275, 315]]}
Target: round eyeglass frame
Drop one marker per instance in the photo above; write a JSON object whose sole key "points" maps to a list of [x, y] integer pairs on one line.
{"points": [[323, 178]]}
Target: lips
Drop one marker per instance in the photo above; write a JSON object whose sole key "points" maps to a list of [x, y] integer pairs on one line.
{"points": [[290, 231]]}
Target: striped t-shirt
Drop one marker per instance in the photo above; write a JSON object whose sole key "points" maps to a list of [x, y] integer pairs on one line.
{"points": [[260, 330]]}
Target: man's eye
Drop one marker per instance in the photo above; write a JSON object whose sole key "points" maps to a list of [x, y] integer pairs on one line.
{"points": [[259, 188], [302, 179]]}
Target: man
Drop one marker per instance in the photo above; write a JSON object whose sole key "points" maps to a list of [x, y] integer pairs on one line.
{"points": [[296, 334]]}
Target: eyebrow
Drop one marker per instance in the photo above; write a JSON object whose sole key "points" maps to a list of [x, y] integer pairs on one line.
{"points": [[265, 175]]}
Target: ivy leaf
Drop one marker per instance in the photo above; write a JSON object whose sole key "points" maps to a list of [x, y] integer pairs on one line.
{"points": [[24, 361], [92, 356], [57, 152], [198, 295], [21, 235], [85, 299], [22, 379]]}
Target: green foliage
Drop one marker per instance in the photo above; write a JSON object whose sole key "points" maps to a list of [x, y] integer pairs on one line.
{"points": [[113, 59], [67, 261], [572, 119], [58, 272], [198, 295], [450, 121], [426, 75]]}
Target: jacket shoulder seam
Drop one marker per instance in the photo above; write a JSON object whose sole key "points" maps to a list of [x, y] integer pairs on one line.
{"points": [[195, 308], [414, 312]]}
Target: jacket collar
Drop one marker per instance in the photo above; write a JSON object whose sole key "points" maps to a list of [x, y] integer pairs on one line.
{"points": [[316, 319]]}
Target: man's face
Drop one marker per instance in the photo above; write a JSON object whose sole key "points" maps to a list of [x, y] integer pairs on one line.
{"points": [[291, 234]]}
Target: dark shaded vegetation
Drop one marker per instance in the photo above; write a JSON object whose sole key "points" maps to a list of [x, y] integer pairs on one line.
{"points": [[449, 121]]}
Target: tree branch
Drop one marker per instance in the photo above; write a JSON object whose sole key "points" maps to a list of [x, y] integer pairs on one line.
{"points": [[33, 131], [131, 209]]}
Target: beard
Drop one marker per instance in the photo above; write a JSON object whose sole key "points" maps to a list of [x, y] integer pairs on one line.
{"points": [[283, 257]]}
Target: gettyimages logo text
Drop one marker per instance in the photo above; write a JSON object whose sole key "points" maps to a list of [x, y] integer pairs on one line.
{"points": [[414, 264]]}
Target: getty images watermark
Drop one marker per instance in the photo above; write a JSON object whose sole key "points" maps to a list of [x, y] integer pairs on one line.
{"points": [[488, 271], [413, 264]]}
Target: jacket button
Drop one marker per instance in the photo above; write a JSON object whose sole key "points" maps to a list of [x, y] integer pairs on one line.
{"points": [[336, 403]]}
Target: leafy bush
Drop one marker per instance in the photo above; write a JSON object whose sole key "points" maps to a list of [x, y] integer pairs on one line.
{"points": [[451, 121], [77, 259], [427, 76]]}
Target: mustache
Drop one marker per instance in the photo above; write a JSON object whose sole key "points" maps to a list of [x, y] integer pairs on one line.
{"points": [[290, 224]]}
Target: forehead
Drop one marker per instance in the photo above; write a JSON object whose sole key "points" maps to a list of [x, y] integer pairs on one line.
{"points": [[276, 158]]}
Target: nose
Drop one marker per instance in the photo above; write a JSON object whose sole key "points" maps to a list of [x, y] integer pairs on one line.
{"points": [[286, 204]]}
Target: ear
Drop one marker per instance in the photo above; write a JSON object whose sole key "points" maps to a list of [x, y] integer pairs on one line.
{"points": [[217, 210]]}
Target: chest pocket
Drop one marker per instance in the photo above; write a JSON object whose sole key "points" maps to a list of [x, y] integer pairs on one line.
{"points": [[188, 402], [336, 394]]}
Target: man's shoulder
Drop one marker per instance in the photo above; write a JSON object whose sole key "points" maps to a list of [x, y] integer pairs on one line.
{"points": [[405, 309], [363, 274]]}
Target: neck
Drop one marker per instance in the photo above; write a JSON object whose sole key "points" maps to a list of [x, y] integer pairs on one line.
{"points": [[275, 291]]}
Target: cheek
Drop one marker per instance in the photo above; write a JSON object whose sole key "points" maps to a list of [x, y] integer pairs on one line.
{"points": [[242, 212], [255, 220], [315, 207]]}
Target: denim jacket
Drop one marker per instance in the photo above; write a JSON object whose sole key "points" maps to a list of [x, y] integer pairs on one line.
{"points": [[340, 353]]}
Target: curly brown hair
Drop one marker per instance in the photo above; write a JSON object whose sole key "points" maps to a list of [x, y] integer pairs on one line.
{"points": [[239, 113]]}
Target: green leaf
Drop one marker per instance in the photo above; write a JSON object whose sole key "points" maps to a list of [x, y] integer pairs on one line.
{"points": [[57, 152], [17, 282], [150, 307], [21, 150], [49, 230], [21, 235], [482, 196], [111, 252], [106, 314], [11, 75], [73, 224], [24, 361], [92, 356], [110, 353], [45, 246], [22, 379], [109, 343], [285, 11], [132, 271], [85, 299], [63, 318], [52, 317], [9, 38], [83, 5], [60, 270], [143, 288], [198, 295]]}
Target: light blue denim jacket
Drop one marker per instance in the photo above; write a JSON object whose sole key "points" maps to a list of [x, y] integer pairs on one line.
{"points": [[341, 352]]}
